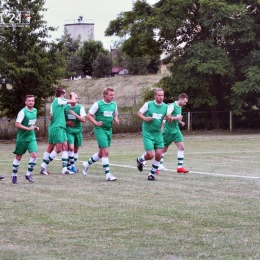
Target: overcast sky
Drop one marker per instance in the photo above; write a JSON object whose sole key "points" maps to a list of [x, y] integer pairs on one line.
{"points": [[101, 11]]}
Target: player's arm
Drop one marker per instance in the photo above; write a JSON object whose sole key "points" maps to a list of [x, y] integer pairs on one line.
{"points": [[79, 117], [92, 120], [18, 123], [142, 111], [116, 119], [91, 113]]}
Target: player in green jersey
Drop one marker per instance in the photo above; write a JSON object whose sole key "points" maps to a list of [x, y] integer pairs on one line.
{"points": [[75, 114], [57, 136], [152, 113], [172, 132], [102, 114], [26, 138]]}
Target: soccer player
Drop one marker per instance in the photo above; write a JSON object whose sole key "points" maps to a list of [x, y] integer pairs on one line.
{"points": [[26, 138], [152, 113], [75, 114], [172, 132], [102, 114], [57, 136]]}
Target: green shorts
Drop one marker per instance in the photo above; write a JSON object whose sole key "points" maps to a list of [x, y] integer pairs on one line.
{"points": [[57, 135], [75, 138], [152, 141], [22, 147], [103, 137], [176, 137]]}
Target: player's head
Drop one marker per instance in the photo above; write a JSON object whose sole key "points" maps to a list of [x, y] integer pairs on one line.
{"points": [[60, 92], [76, 98], [158, 95], [29, 101], [108, 94], [183, 99]]}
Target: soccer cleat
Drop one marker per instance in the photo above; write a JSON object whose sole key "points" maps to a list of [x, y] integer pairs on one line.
{"points": [[139, 165], [144, 163], [161, 168], [182, 170], [1, 177], [44, 171], [66, 171], [110, 177], [29, 178], [157, 171], [73, 168], [14, 180], [85, 169], [151, 177]]}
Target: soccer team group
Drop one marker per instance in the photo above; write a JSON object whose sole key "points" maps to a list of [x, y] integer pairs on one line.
{"points": [[161, 127]]}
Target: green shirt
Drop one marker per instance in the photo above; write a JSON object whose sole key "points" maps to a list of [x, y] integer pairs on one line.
{"points": [[69, 117], [26, 118], [157, 112], [57, 112], [174, 125], [104, 112]]}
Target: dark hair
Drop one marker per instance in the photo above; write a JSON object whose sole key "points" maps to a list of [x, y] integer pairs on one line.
{"points": [[28, 96], [183, 95], [59, 92]]}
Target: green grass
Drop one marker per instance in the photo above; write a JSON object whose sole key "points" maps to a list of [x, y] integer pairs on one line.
{"points": [[213, 212]]}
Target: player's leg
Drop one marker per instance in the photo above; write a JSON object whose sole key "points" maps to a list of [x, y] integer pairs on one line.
{"points": [[180, 158], [20, 149], [32, 148]]}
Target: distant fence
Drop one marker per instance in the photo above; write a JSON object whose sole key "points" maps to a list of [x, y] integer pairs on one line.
{"points": [[130, 123]]}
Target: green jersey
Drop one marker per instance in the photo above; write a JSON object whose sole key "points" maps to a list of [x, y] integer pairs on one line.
{"points": [[174, 125], [57, 112], [104, 112], [26, 118], [79, 110], [157, 112]]}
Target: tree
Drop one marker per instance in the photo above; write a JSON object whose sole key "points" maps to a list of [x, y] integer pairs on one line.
{"points": [[137, 66], [30, 64], [74, 64], [102, 66], [88, 53], [213, 48]]}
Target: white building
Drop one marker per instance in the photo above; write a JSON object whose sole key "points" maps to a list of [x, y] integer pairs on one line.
{"points": [[84, 28]]}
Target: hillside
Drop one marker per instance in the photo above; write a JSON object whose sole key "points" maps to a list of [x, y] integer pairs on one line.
{"points": [[128, 89]]}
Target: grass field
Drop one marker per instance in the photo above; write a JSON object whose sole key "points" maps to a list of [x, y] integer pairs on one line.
{"points": [[213, 212]]}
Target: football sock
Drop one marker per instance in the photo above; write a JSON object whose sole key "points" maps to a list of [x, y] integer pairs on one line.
{"points": [[64, 158], [16, 164], [76, 156], [31, 165], [180, 155], [155, 166], [71, 158], [141, 159], [161, 162], [105, 163]]}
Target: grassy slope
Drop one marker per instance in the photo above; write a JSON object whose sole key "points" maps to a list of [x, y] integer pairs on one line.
{"points": [[128, 89]]}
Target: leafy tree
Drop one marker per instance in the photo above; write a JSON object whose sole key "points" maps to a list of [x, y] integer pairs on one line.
{"points": [[30, 64], [102, 66], [88, 53], [213, 48], [73, 62], [137, 66]]}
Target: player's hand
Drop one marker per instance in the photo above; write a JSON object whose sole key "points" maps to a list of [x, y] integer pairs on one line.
{"points": [[179, 117], [116, 121], [70, 123], [36, 128], [182, 123], [148, 119], [72, 112], [32, 127], [100, 123]]}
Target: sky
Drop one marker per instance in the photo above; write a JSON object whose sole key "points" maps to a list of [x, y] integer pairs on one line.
{"points": [[101, 11]]}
